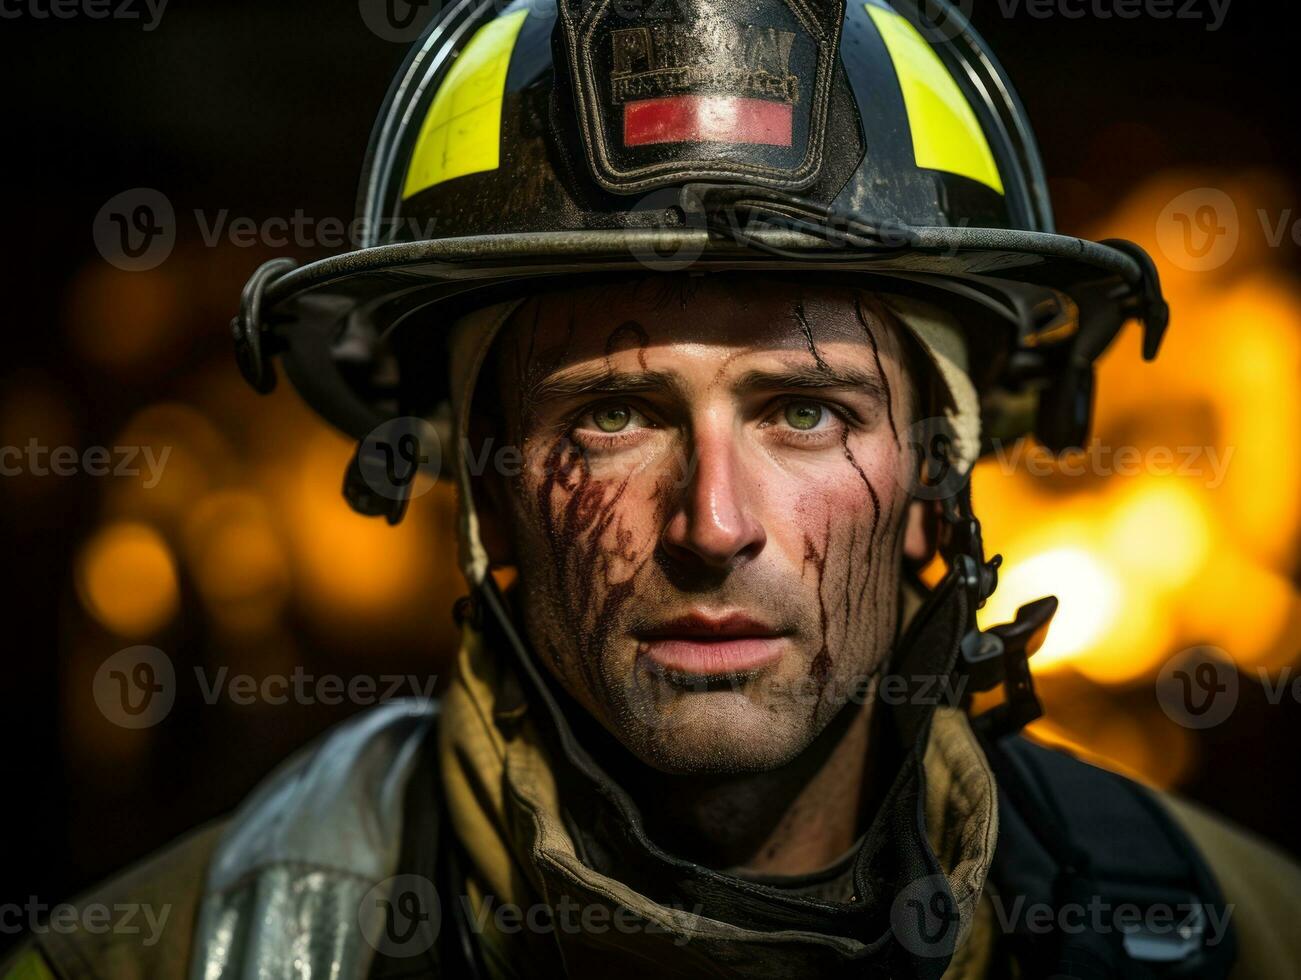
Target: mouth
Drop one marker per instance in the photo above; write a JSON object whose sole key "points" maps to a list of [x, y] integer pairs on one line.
{"points": [[703, 645]]}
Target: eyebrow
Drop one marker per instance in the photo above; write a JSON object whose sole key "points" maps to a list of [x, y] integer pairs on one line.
{"points": [[599, 381], [813, 378], [586, 382]]}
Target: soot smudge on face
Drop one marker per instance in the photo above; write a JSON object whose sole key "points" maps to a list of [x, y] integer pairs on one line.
{"points": [[574, 538], [634, 331], [820, 665], [803, 320], [876, 355], [586, 537]]}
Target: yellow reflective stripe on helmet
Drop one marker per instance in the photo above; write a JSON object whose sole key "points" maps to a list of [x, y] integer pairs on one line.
{"points": [[946, 134], [462, 132]]}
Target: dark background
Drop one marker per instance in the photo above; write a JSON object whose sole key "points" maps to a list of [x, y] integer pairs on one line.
{"points": [[264, 108]]}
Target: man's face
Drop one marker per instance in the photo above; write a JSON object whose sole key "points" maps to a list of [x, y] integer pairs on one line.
{"points": [[709, 520]]}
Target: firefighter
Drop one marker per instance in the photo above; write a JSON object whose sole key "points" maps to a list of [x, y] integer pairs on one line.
{"points": [[721, 305]]}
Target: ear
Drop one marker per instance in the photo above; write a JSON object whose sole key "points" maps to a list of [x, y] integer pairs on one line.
{"points": [[922, 531]]}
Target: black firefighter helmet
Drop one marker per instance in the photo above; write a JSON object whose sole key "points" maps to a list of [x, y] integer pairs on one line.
{"points": [[550, 140]]}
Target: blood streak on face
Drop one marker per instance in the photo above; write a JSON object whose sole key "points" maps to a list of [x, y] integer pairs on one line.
{"points": [[708, 524]]}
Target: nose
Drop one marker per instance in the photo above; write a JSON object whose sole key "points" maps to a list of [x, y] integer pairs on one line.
{"points": [[714, 522]]}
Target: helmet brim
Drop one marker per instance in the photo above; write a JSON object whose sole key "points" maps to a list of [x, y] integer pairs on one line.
{"points": [[332, 317]]}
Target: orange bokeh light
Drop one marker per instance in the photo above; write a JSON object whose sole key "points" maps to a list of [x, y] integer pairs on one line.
{"points": [[1191, 540], [126, 578]]}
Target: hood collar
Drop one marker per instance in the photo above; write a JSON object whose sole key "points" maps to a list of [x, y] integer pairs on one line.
{"points": [[545, 822]]}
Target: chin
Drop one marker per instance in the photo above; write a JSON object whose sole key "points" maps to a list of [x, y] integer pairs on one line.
{"points": [[713, 731]]}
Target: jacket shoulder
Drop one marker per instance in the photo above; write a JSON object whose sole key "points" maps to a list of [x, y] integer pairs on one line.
{"points": [[137, 924], [332, 811], [1261, 886]]}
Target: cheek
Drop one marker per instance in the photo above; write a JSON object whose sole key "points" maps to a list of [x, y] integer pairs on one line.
{"points": [[859, 488], [843, 534], [587, 511]]}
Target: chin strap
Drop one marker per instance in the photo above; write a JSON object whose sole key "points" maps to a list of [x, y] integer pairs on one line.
{"points": [[999, 655]]}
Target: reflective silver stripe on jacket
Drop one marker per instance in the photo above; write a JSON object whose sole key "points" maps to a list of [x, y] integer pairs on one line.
{"points": [[283, 897]]}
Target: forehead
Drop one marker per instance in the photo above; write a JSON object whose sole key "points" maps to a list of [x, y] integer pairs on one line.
{"points": [[706, 314]]}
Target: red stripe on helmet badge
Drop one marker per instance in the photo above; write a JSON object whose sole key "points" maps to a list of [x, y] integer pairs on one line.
{"points": [[707, 119]]}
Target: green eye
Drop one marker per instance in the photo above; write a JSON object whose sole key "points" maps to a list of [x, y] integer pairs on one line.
{"points": [[803, 415], [612, 418]]}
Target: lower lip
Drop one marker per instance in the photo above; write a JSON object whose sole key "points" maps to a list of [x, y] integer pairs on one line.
{"points": [[711, 658]]}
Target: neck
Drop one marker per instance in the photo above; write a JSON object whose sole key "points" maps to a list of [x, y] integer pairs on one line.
{"points": [[795, 819]]}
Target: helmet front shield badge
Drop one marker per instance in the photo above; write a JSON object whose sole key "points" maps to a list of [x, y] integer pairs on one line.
{"points": [[527, 146]]}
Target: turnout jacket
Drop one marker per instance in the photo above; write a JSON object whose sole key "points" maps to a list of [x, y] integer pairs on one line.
{"points": [[475, 836]]}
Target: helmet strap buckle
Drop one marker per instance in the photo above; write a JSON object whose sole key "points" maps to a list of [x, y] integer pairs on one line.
{"points": [[999, 655]]}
